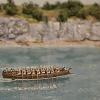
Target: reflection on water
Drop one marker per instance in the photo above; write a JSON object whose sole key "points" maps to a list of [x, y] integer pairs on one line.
{"points": [[51, 83], [21, 89]]}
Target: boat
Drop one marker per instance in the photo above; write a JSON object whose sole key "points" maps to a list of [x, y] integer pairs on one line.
{"points": [[35, 73]]}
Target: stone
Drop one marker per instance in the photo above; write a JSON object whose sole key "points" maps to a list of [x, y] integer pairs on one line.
{"points": [[11, 36], [24, 38], [13, 26], [73, 30]]}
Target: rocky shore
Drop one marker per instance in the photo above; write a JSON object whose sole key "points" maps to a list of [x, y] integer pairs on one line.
{"points": [[51, 44], [18, 32]]}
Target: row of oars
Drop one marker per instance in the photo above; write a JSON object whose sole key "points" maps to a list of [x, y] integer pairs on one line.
{"points": [[40, 84], [51, 82]]}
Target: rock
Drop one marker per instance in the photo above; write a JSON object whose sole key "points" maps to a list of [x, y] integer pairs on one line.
{"points": [[11, 36], [24, 38], [73, 30], [12, 27], [95, 34]]}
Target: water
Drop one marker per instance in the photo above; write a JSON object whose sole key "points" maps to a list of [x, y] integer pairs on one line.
{"points": [[84, 84]]}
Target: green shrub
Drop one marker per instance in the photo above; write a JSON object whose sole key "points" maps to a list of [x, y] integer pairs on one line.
{"points": [[48, 6], [74, 7], [62, 17], [11, 8], [28, 8], [83, 13], [95, 11], [36, 14]]}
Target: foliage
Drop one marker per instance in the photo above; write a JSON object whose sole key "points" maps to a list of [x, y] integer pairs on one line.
{"points": [[28, 8], [37, 15], [49, 6], [95, 11], [74, 7], [83, 13], [11, 8], [63, 10], [62, 17], [31, 10], [2, 6], [45, 19]]}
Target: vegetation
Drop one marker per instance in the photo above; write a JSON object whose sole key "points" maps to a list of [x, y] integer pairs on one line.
{"points": [[37, 15], [95, 11], [10, 8], [62, 17], [31, 10], [73, 7], [49, 6], [45, 19], [61, 11], [83, 13]]}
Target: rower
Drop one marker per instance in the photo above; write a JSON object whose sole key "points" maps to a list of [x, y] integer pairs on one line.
{"points": [[62, 69], [40, 71], [12, 70], [18, 72], [6, 69], [49, 71], [54, 69], [45, 71], [26, 71], [21, 71], [29, 72], [35, 71]]}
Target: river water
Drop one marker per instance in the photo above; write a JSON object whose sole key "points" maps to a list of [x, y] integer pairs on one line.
{"points": [[84, 84]]}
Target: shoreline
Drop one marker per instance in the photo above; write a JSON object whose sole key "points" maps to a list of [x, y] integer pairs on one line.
{"points": [[57, 43]]}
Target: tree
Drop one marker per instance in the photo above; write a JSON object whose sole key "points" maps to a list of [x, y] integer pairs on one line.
{"points": [[11, 8], [74, 7], [45, 20], [2, 6], [37, 15], [83, 13], [11, 1], [31, 9], [27, 8], [57, 5], [95, 11], [64, 5], [62, 17], [48, 6]]}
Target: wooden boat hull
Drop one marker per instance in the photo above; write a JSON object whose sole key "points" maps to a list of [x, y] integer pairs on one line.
{"points": [[14, 76]]}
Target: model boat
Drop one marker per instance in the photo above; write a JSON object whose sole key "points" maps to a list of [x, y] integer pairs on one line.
{"points": [[35, 73]]}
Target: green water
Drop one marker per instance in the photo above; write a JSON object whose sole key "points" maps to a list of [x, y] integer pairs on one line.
{"points": [[84, 84]]}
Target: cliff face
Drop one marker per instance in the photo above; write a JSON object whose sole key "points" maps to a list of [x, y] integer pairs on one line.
{"points": [[20, 30], [10, 28], [70, 31]]}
